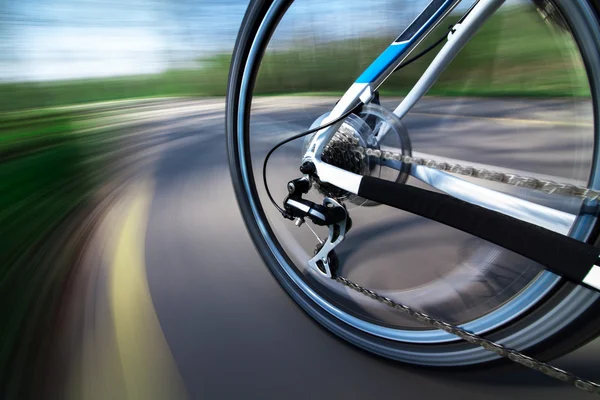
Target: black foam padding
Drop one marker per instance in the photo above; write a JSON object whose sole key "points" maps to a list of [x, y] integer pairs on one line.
{"points": [[561, 254]]}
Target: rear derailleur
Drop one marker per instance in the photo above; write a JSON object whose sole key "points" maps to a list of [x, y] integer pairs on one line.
{"points": [[331, 213]]}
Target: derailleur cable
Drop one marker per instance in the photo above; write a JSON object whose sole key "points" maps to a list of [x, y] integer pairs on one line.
{"points": [[298, 136]]}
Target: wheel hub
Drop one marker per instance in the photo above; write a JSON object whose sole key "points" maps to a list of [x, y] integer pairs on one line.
{"points": [[373, 127]]}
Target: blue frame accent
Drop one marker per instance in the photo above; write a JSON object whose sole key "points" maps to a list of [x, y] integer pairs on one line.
{"points": [[406, 40], [383, 62]]}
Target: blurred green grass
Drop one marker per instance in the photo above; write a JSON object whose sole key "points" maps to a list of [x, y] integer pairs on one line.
{"points": [[46, 175]]}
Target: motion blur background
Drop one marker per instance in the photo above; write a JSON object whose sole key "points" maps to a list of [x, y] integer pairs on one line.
{"points": [[94, 95]]}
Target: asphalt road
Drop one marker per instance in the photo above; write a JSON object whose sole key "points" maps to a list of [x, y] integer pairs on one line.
{"points": [[214, 324]]}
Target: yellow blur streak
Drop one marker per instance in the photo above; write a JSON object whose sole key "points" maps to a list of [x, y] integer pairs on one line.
{"points": [[149, 371]]}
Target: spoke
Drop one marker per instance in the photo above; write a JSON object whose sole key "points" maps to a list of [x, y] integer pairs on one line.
{"points": [[546, 217]]}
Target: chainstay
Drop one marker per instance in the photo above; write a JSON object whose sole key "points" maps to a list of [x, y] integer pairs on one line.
{"points": [[546, 186], [472, 338]]}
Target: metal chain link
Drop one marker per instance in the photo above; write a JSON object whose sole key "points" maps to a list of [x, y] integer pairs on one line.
{"points": [[545, 186], [472, 338]]}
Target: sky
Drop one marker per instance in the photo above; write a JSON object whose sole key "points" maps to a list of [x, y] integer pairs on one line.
{"points": [[70, 39]]}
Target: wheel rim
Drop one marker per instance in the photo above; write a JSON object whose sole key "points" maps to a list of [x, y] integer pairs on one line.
{"points": [[577, 300]]}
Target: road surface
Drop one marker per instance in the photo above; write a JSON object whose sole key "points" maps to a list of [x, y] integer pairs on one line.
{"points": [[178, 302]]}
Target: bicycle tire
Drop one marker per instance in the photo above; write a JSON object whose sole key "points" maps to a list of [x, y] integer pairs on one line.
{"points": [[583, 325]]}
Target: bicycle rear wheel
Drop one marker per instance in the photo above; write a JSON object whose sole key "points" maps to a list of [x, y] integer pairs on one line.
{"points": [[484, 288]]}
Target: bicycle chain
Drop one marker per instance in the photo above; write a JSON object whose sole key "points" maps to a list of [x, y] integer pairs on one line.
{"points": [[351, 144], [473, 338], [545, 186]]}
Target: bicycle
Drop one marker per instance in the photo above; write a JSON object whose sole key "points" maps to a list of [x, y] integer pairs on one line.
{"points": [[359, 156]]}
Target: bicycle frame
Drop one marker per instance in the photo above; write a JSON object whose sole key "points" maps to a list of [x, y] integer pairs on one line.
{"points": [[376, 74], [534, 231], [380, 70]]}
